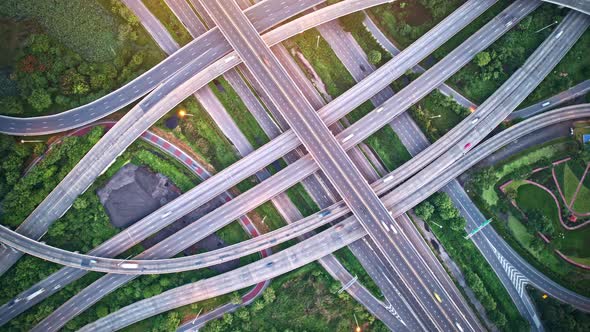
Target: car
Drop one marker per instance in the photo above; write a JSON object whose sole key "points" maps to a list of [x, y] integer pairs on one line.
{"points": [[437, 297], [269, 264], [362, 67], [475, 120], [339, 226], [467, 146], [324, 213], [546, 103]]}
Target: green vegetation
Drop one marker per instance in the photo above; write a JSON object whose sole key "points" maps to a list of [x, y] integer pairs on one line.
{"points": [[405, 21], [539, 208], [85, 226], [302, 300], [162, 12], [78, 60], [28, 191], [389, 148], [436, 114], [337, 81], [352, 264], [239, 112], [479, 275], [491, 68], [12, 159], [84, 26], [201, 133], [302, 200], [176, 173], [557, 316]]}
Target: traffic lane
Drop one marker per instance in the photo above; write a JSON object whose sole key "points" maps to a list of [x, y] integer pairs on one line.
{"points": [[425, 83], [187, 17], [226, 61], [549, 103], [555, 131], [336, 211], [280, 263], [147, 81], [148, 105], [368, 207], [395, 321], [311, 127]]}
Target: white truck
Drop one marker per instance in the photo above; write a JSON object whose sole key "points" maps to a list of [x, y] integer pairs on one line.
{"points": [[35, 294]]}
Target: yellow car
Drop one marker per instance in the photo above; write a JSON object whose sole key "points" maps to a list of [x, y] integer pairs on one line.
{"points": [[437, 297]]}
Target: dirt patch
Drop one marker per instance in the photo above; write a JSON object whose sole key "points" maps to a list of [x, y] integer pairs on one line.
{"points": [[315, 79], [134, 192], [412, 12], [13, 35]]}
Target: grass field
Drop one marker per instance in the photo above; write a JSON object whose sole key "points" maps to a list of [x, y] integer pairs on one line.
{"points": [[573, 242], [304, 302], [568, 176], [84, 25], [530, 156], [533, 197], [240, 113], [582, 203]]}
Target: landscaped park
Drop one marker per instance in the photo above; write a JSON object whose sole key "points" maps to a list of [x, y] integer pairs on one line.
{"points": [[540, 200]]}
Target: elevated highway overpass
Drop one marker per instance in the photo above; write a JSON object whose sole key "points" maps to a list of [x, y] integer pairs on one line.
{"points": [[200, 290], [532, 65]]}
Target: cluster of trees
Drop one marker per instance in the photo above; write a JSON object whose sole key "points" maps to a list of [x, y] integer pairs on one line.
{"points": [[406, 21], [444, 109], [557, 316], [30, 190], [374, 57], [243, 315], [12, 158], [439, 207], [51, 76], [307, 300], [480, 277], [493, 66]]}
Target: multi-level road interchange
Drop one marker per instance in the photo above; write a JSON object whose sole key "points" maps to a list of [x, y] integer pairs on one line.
{"points": [[576, 24]]}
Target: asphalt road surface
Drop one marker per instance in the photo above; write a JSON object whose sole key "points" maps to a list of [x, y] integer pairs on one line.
{"points": [[167, 301], [447, 25], [146, 82], [139, 119]]}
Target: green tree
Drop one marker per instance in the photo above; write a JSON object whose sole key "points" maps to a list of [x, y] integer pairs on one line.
{"points": [[102, 310], [236, 298], [244, 314], [258, 305], [482, 59], [10, 106], [374, 57], [80, 203], [269, 295], [40, 99], [424, 210], [228, 319]]}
